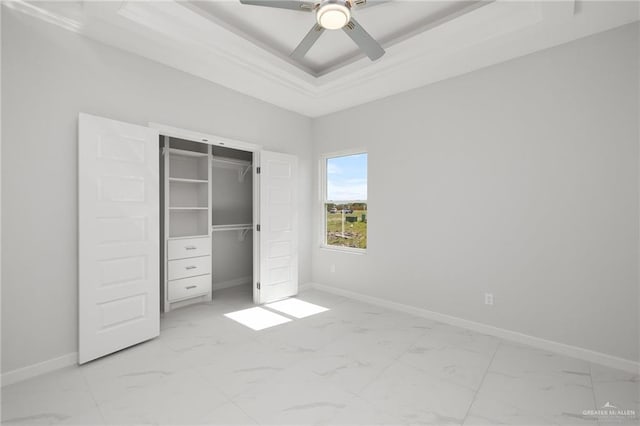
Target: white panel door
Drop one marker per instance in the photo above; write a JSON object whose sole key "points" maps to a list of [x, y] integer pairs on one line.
{"points": [[278, 226], [118, 235]]}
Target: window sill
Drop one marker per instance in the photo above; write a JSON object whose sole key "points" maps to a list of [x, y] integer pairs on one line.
{"points": [[349, 250]]}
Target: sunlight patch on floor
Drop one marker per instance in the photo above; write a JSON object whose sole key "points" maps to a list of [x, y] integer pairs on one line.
{"points": [[257, 318], [296, 308]]}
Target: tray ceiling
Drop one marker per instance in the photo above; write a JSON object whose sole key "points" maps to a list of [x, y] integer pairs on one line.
{"points": [[280, 30], [246, 48]]}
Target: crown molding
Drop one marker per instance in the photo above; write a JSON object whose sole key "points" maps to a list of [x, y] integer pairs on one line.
{"points": [[185, 37], [43, 14]]}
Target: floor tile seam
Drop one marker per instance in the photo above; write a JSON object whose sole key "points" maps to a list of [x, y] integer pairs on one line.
{"points": [[549, 419], [392, 361], [475, 395], [245, 413], [436, 377], [92, 394], [529, 412], [375, 378], [593, 388]]}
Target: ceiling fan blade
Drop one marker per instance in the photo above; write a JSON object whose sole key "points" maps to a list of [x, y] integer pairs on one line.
{"points": [[282, 4], [312, 36], [362, 4], [364, 40]]}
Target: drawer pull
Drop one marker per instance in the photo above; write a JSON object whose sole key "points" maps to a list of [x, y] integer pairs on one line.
{"points": [[189, 287], [190, 247], [190, 267]]}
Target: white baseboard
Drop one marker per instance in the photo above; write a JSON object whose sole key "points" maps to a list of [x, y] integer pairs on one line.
{"points": [[232, 283], [514, 336], [24, 373], [67, 360], [30, 371]]}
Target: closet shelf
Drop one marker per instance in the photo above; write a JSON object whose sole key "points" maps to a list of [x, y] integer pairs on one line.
{"points": [[187, 237], [184, 153], [175, 179]]}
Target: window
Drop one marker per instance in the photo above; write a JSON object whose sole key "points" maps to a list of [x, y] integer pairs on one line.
{"points": [[345, 201]]}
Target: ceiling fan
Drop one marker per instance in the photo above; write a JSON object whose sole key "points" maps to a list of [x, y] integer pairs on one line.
{"points": [[330, 15]]}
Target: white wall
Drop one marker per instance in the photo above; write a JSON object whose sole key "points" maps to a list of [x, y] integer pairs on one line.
{"points": [[48, 76], [520, 179]]}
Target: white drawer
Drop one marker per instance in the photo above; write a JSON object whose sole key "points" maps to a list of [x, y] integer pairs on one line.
{"points": [[190, 267], [188, 247], [189, 287]]}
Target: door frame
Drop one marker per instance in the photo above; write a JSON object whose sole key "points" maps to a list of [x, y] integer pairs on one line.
{"points": [[215, 140]]}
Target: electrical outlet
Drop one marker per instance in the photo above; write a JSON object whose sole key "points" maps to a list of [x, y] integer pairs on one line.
{"points": [[488, 298], [332, 268]]}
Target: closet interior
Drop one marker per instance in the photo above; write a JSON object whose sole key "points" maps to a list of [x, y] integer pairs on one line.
{"points": [[206, 205]]}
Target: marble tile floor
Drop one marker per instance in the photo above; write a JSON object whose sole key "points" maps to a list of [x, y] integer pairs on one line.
{"points": [[355, 364]]}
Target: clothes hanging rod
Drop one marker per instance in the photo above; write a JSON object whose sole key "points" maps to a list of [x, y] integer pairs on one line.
{"points": [[230, 161], [232, 227], [242, 228]]}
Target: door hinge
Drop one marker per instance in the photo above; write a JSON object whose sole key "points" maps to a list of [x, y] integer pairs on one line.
{"points": [[258, 284], [258, 227], [258, 170]]}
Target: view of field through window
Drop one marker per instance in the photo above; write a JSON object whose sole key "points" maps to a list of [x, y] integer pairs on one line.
{"points": [[346, 201]]}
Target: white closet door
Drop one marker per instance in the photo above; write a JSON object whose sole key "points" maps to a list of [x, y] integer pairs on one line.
{"points": [[118, 188], [278, 226]]}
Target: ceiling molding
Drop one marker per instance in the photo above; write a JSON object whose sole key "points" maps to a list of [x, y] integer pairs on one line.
{"points": [[428, 24], [183, 36], [181, 23], [258, 42], [44, 15], [495, 20]]}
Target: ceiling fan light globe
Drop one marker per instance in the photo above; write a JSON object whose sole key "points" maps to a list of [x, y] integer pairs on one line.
{"points": [[333, 16]]}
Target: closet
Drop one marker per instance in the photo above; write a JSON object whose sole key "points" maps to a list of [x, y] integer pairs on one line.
{"points": [[232, 217], [168, 216], [207, 220]]}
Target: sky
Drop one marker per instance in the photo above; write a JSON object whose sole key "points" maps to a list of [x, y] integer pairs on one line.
{"points": [[347, 178]]}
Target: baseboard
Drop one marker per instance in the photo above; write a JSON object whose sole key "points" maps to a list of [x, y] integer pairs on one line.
{"points": [[24, 373], [30, 371], [514, 336], [232, 283], [67, 360]]}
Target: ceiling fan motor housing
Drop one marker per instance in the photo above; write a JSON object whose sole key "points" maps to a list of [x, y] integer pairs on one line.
{"points": [[333, 14]]}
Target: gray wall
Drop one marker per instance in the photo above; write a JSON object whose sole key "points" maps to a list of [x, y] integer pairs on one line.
{"points": [[232, 202], [520, 179], [48, 76]]}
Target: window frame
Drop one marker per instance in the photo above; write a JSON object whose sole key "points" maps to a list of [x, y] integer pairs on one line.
{"points": [[324, 200]]}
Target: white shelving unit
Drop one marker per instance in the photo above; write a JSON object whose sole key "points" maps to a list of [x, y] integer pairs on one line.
{"points": [[187, 225]]}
